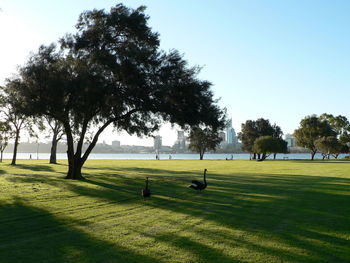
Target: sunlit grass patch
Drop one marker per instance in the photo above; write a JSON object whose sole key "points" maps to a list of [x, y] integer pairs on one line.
{"points": [[273, 211]]}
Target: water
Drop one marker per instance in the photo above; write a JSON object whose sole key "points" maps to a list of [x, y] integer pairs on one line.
{"points": [[150, 156]]}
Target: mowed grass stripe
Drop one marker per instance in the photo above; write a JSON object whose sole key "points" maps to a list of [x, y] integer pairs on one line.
{"points": [[274, 211]]}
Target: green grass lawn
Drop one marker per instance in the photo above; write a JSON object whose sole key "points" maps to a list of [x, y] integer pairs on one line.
{"points": [[272, 211]]}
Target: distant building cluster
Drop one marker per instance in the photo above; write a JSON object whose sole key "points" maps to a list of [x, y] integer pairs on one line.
{"points": [[181, 143], [230, 141], [229, 144]]}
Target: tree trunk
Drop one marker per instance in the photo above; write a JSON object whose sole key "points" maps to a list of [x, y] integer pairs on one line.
{"points": [[53, 158], [259, 156], [312, 155], [74, 168], [274, 156], [201, 154], [263, 157], [2, 151], [14, 157]]}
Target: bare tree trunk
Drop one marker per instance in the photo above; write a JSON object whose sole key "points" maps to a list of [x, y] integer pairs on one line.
{"points": [[53, 158], [2, 152], [74, 170], [313, 155], [14, 157], [201, 154]]}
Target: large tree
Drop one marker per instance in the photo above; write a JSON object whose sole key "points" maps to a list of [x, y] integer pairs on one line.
{"points": [[111, 72], [267, 145], [15, 119], [251, 130], [340, 125], [312, 128], [57, 134], [204, 139], [5, 135], [330, 145]]}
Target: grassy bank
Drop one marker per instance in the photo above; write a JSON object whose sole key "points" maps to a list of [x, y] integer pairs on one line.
{"points": [[273, 211]]}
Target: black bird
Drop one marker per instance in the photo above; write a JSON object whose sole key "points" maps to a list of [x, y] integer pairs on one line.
{"points": [[199, 185], [145, 191]]}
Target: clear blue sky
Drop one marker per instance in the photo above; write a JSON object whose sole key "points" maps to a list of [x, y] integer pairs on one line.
{"points": [[280, 60]]}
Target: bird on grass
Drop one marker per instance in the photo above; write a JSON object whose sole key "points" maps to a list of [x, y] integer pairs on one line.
{"points": [[145, 191], [197, 185]]}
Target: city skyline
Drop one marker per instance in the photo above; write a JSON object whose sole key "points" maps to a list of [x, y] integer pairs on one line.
{"points": [[275, 60]]}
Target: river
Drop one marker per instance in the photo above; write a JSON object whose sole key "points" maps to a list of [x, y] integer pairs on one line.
{"points": [[150, 156]]}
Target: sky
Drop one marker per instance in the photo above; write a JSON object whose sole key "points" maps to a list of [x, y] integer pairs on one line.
{"points": [[272, 59]]}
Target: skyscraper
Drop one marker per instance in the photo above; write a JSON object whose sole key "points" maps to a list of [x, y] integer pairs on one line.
{"points": [[180, 144], [231, 137], [157, 143]]}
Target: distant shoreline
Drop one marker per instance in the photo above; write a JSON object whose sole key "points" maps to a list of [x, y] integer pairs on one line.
{"points": [[167, 156]]}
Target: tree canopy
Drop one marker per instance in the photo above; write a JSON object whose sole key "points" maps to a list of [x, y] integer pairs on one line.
{"points": [[111, 71], [204, 139], [330, 145], [312, 128], [340, 125], [252, 130], [268, 144]]}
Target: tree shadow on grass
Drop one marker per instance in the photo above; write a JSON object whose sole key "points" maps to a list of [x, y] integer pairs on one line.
{"points": [[35, 167], [29, 234], [309, 214], [300, 211], [304, 212], [319, 161]]}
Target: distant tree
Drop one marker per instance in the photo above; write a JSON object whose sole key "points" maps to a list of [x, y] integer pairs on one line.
{"points": [[330, 145], [57, 134], [15, 119], [202, 140], [251, 130], [248, 135], [111, 72], [281, 147], [344, 149], [267, 145], [5, 135], [312, 128], [340, 125]]}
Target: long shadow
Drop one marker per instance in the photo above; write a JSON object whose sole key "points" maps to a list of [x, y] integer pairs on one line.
{"points": [[307, 213], [317, 161], [44, 238], [35, 167]]}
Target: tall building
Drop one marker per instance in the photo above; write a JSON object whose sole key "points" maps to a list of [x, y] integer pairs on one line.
{"points": [[290, 140], [157, 142], [180, 143], [231, 137]]}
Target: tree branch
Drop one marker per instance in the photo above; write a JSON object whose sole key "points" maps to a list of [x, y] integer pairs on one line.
{"points": [[104, 126]]}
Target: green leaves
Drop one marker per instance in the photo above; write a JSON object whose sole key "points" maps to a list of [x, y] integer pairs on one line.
{"points": [[202, 139], [251, 130], [312, 128]]}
